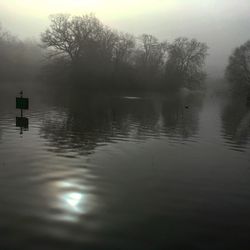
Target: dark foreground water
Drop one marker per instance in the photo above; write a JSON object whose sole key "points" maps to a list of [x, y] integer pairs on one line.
{"points": [[125, 172]]}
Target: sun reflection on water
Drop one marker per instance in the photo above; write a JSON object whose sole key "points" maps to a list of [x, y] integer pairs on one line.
{"points": [[75, 201]]}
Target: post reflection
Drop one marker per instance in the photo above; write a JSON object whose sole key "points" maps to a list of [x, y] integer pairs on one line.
{"points": [[22, 123]]}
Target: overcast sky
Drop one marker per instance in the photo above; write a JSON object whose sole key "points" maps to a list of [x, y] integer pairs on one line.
{"points": [[223, 24]]}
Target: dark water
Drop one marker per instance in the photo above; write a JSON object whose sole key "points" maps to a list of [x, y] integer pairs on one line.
{"points": [[126, 172]]}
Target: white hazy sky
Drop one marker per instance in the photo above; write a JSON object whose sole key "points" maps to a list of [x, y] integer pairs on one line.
{"points": [[223, 24]]}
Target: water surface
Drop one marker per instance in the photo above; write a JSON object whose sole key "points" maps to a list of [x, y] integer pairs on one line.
{"points": [[125, 172]]}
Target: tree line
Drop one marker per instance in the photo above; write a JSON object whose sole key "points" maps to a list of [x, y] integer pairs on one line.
{"points": [[82, 52], [95, 56]]}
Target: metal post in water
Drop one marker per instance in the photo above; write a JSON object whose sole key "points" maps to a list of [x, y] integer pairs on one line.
{"points": [[22, 104], [21, 96]]}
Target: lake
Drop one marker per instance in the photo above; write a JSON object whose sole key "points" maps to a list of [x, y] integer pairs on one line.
{"points": [[125, 171]]}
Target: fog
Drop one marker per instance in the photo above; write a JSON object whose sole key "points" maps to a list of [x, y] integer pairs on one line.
{"points": [[124, 124], [223, 24]]}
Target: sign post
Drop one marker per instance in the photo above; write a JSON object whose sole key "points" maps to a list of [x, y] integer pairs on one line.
{"points": [[22, 104]]}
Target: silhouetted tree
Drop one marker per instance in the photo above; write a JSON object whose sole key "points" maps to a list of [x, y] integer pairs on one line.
{"points": [[91, 48], [148, 60], [103, 58], [152, 52], [68, 36], [185, 62], [123, 48], [78, 37], [238, 69]]}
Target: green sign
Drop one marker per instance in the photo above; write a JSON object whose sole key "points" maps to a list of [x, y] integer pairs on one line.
{"points": [[22, 103]]}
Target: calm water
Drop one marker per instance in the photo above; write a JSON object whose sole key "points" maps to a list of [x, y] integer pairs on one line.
{"points": [[125, 172]]}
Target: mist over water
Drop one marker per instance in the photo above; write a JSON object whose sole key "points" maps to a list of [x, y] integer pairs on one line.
{"points": [[125, 171], [124, 125], [223, 24]]}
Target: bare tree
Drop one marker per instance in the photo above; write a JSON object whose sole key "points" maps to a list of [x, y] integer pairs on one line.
{"points": [[97, 52], [71, 37], [238, 69], [123, 48], [152, 53], [185, 61], [108, 41]]}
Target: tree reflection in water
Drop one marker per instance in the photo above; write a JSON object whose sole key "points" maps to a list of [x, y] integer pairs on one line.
{"points": [[101, 119], [236, 122], [181, 116]]}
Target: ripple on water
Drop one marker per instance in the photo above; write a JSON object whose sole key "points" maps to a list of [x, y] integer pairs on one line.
{"points": [[126, 175]]}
